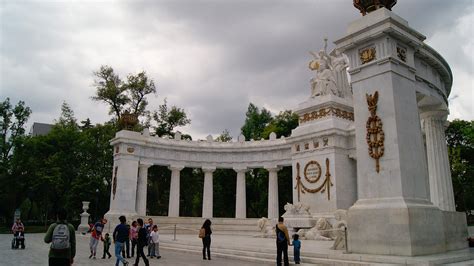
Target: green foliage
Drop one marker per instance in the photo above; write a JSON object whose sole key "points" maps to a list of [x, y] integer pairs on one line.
{"points": [[123, 96], [159, 178], [259, 124], [224, 187], [63, 168], [12, 123], [255, 122], [169, 118], [460, 139], [224, 136], [282, 124], [191, 189]]}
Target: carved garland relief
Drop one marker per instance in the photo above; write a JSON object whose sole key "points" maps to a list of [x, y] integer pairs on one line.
{"points": [[402, 53], [367, 55], [323, 112], [114, 183], [312, 174], [375, 136]]}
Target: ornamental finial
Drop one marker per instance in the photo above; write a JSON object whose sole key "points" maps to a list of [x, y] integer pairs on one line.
{"points": [[367, 6]]}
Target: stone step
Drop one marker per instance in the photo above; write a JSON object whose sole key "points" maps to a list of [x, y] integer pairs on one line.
{"points": [[266, 256]]}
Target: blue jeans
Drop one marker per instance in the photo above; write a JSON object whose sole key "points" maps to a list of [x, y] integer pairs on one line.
{"points": [[118, 253]]}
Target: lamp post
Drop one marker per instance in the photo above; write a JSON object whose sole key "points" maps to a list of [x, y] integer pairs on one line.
{"points": [[96, 203]]}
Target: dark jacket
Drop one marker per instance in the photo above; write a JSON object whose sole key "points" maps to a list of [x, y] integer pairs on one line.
{"points": [[142, 237], [121, 233]]}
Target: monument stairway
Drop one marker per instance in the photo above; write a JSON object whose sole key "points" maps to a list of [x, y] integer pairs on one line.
{"points": [[190, 225], [266, 256]]}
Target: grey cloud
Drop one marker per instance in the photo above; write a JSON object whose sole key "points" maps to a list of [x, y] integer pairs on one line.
{"points": [[209, 57]]}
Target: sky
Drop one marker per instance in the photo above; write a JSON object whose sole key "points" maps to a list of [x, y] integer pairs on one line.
{"points": [[211, 57]]}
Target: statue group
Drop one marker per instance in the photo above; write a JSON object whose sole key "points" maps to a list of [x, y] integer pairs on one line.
{"points": [[331, 73]]}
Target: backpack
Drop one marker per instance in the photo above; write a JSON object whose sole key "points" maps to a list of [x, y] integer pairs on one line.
{"points": [[60, 238], [202, 233], [281, 238]]}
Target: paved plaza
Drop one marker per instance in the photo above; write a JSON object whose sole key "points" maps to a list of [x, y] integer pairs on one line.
{"points": [[36, 253]]}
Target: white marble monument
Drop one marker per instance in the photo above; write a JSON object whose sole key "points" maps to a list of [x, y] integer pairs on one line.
{"points": [[359, 146]]}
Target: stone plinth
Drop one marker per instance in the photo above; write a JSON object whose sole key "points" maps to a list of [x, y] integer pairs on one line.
{"points": [[393, 215], [84, 226]]}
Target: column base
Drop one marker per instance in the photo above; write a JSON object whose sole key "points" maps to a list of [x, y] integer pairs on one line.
{"points": [[396, 226], [455, 228], [113, 221]]}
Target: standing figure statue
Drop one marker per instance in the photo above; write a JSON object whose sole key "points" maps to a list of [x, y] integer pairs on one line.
{"points": [[340, 63], [331, 74], [324, 82]]}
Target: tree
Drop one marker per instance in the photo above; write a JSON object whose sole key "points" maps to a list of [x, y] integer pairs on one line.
{"points": [[110, 89], [169, 118], [13, 120], [123, 96], [255, 122], [282, 124], [224, 136], [460, 140], [67, 118], [12, 132]]}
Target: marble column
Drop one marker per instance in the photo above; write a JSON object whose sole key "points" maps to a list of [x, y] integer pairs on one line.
{"points": [[173, 207], [272, 192], [124, 186], [240, 195], [142, 189], [207, 201], [441, 186]]}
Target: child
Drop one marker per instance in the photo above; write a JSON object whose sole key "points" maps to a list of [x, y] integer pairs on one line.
{"points": [[296, 248], [155, 242], [106, 240]]}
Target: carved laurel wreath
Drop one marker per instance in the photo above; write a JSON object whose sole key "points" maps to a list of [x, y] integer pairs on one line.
{"points": [[114, 183], [325, 186], [375, 136]]}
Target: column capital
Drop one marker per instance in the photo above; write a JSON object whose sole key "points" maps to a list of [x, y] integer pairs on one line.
{"points": [[272, 168], [145, 165], [176, 167], [240, 169], [208, 169], [436, 114]]}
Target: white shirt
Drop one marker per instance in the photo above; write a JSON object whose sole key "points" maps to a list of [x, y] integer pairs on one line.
{"points": [[155, 237]]}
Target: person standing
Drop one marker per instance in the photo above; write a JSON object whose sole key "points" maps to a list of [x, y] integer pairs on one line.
{"points": [[296, 248], [155, 242], [134, 236], [106, 240], [18, 230], [96, 235], [206, 240], [142, 241], [126, 248], [120, 235], [62, 237], [282, 242], [149, 228]]}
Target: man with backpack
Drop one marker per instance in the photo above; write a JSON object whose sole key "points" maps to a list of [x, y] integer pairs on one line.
{"points": [[282, 242], [62, 237]]}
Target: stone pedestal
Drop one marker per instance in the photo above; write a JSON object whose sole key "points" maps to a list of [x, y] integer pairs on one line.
{"points": [[84, 226], [325, 133], [393, 214], [124, 185]]}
